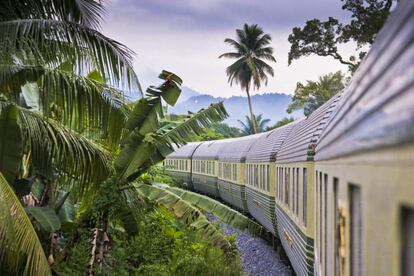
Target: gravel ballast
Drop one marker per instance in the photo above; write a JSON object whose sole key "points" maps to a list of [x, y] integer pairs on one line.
{"points": [[258, 257]]}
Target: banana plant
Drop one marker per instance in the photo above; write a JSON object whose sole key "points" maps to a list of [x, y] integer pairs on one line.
{"points": [[149, 137]]}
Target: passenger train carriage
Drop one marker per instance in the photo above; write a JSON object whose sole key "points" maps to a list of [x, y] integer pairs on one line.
{"points": [[294, 201], [337, 187], [205, 167], [232, 170], [179, 164], [260, 176]]}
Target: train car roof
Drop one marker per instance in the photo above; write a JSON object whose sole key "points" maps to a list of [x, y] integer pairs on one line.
{"points": [[184, 152], [209, 150], [301, 141], [237, 150], [266, 147], [377, 109]]}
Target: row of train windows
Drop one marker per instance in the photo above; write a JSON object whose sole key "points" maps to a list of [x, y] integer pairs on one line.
{"points": [[257, 175], [176, 164], [293, 182], [355, 224], [204, 167], [228, 171], [355, 228]]}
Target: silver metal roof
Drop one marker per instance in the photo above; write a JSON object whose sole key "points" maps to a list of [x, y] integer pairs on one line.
{"points": [[378, 107], [209, 150], [301, 141], [238, 148], [185, 151], [266, 147]]}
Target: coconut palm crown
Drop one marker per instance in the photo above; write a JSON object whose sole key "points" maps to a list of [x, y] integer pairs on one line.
{"points": [[250, 69]]}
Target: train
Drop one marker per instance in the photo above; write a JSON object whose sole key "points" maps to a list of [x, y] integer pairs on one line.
{"points": [[336, 187]]}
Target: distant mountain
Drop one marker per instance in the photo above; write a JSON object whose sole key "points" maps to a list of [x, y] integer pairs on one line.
{"points": [[186, 94], [272, 105]]}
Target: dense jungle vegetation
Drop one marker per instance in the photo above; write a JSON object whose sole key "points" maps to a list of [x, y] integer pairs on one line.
{"points": [[75, 152]]}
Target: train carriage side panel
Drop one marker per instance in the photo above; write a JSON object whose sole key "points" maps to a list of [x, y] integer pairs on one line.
{"points": [[260, 176], [178, 164], [231, 176], [295, 190], [205, 167], [365, 161]]}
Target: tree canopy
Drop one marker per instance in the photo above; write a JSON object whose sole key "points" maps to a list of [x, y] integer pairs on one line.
{"points": [[323, 37], [280, 123], [313, 94]]}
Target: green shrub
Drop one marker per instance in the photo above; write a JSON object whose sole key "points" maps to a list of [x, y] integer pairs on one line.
{"points": [[163, 246]]}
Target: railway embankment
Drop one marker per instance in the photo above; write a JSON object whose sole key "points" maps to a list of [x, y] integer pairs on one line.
{"points": [[258, 256]]}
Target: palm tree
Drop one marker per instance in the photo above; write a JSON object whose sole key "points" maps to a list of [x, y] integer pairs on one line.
{"points": [[250, 69], [248, 125]]}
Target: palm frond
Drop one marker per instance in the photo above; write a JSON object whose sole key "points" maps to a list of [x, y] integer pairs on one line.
{"points": [[231, 55], [237, 44], [85, 12], [113, 59], [54, 146], [22, 248], [83, 103], [185, 212]]}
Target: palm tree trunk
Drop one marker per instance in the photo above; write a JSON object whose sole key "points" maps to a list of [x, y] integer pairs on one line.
{"points": [[252, 117]]}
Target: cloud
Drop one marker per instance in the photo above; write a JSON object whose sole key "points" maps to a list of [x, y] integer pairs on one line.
{"points": [[186, 37]]}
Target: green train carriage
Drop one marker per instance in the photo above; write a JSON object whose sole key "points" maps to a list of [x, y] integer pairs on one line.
{"points": [[294, 202], [231, 171], [260, 176], [205, 167], [365, 163], [179, 166]]}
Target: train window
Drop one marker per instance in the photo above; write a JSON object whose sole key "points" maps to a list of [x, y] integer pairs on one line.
{"points": [[256, 176], [282, 183], [263, 178], [297, 192], [305, 196], [407, 241], [320, 218], [355, 229], [336, 225], [267, 178], [250, 174], [293, 190], [278, 183], [287, 186], [325, 217]]}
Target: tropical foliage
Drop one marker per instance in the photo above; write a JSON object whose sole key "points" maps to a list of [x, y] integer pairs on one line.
{"points": [[217, 132], [247, 127], [313, 94], [280, 123], [323, 37], [71, 143], [250, 69], [163, 246]]}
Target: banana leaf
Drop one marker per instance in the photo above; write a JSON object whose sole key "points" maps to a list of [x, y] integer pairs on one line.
{"points": [[185, 212], [221, 211], [10, 142]]}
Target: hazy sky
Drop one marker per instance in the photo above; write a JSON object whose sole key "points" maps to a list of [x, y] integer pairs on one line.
{"points": [[186, 37]]}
